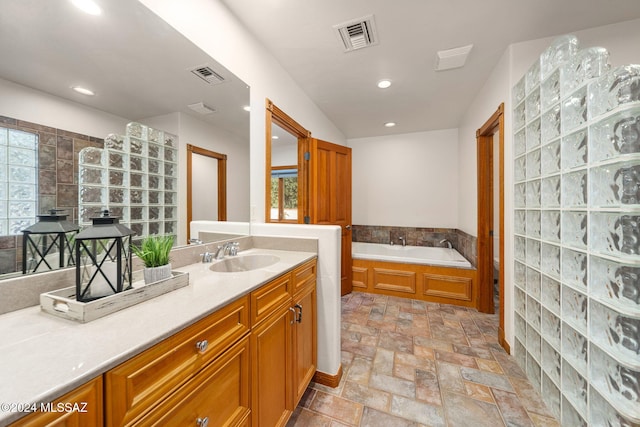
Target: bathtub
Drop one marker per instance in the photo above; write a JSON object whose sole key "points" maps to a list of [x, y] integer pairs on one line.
{"points": [[409, 254], [438, 275]]}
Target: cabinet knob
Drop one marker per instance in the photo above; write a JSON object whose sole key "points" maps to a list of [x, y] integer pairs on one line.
{"points": [[202, 347], [202, 422], [294, 315]]}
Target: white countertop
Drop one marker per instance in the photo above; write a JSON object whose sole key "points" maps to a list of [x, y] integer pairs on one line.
{"points": [[43, 357]]}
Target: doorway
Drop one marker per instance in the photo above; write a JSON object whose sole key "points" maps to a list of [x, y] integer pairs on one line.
{"points": [[206, 177], [490, 145], [321, 177]]}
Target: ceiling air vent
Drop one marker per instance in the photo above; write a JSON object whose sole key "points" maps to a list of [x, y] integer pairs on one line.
{"points": [[208, 75], [452, 58], [201, 108], [357, 33]]}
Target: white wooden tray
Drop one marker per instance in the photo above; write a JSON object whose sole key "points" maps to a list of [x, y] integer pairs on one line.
{"points": [[63, 302]]}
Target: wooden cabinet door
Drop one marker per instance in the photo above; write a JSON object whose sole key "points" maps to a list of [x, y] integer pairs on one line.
{"points": [[217, 396], [305, 339], [87, 399], [271, 369], [137, 385], [330, 196]]}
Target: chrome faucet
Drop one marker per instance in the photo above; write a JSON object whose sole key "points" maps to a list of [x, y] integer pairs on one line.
{"points": [[449, 245], [403, 240]]}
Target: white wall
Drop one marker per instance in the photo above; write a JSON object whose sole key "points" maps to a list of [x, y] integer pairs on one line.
{"points": [[23, 103], [284, 155], [621, 40], [328, 285], [212, 27], [406, 179]]}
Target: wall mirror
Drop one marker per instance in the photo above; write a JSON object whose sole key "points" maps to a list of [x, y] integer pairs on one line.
{"points": [[140, 70], [287, 175]]}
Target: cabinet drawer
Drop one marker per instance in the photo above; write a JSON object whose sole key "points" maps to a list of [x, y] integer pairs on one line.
{"points": [[140, 383], [303, 275], [269, 298], [87, 399], [219, 395]]}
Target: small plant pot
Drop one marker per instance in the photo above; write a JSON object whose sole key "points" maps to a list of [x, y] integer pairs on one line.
{"points": [[155, 274]]}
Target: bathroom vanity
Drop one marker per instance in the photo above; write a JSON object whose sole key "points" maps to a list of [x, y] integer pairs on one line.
{"points": [[232, 348]]}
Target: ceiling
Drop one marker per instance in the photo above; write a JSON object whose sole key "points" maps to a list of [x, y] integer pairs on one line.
{"points": [[137, 64], [300, 35]]}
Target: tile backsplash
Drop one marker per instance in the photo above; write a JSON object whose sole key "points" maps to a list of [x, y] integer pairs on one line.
{"points": [[57, 178]]}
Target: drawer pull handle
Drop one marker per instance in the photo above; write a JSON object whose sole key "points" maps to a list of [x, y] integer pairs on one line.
{"points": [[294, 315], [202, 347], [299, 319], [203, 422]]}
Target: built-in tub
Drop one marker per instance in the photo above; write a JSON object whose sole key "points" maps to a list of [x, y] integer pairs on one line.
{"points": [[432, 274], [409, 254]]}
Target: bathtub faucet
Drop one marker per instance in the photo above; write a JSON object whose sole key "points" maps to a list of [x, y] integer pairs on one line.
{"points": [[449, 245], [403, 240]]}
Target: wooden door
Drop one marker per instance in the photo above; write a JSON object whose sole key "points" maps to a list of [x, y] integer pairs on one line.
{"points": [[330, 196], [486, 186], [271, 369]]}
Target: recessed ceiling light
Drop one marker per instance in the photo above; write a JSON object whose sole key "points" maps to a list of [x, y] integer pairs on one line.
{"points": [[246, 108], [383, 84], [87, 6], [390, 124], [83, 90], [275, 137]]}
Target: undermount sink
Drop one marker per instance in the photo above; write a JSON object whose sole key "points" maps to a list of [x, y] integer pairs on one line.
{"points": [[241, 263]]}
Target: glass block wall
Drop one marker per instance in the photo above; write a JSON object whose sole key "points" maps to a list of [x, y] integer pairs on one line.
{"points": [[576, 143], [136, 177], [18, 180]]}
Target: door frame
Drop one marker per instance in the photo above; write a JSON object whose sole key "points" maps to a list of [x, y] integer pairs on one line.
{"points": [[222, 182], [282, 119], [486, 162]]}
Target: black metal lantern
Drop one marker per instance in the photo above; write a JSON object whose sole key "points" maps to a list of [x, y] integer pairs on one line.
{"points": [[48, 244], [103, 258]]}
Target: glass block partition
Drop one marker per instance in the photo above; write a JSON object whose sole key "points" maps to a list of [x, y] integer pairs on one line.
{"points": [[136, 177], [577, 234], [18, 180]]}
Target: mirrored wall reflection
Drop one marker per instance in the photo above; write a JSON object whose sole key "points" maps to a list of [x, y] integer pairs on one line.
{"points": [[135, 178], [46, 181], [580, 239], [284, 175]]}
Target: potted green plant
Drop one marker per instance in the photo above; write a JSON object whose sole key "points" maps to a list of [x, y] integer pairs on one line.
{"points": [[154, 253]]}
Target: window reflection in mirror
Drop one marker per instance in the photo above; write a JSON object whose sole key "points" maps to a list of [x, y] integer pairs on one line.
{"points": [[284, 193]]}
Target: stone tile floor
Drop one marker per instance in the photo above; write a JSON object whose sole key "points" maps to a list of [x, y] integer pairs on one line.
{"points": [[412, 363]]}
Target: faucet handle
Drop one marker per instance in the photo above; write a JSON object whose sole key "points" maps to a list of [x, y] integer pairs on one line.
{"points": [[233, 250]]}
